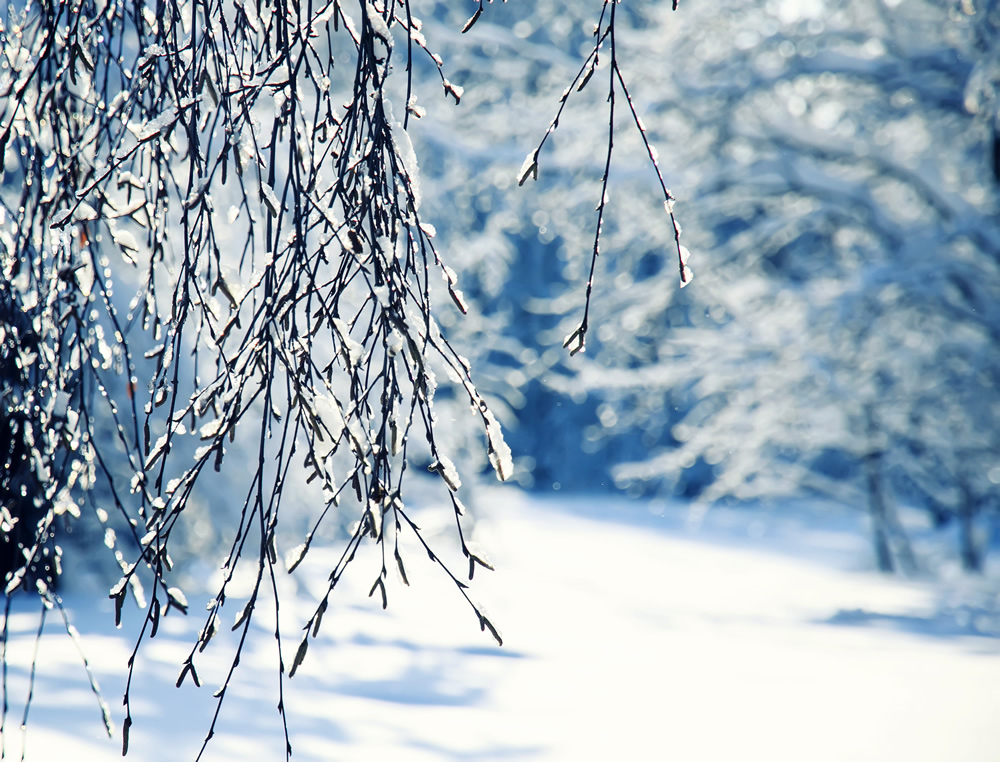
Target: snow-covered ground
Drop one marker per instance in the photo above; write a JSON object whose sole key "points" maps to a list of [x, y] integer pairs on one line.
{"points": [[627, 635]]}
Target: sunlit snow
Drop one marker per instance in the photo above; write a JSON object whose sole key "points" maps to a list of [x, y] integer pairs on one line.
{"points": [[627, 636]]}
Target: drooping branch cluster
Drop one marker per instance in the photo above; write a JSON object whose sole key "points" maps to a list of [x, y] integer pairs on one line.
{"points": [[211, 241], [247, 161], [604, 33]]}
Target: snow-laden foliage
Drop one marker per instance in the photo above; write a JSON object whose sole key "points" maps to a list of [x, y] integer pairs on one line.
{"points": [[846, 338], [213, 248], [838, 168], [269, 199]]}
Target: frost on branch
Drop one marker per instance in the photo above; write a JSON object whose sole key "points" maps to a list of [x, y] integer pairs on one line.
{"points": [[214, 253], [605, 42]]}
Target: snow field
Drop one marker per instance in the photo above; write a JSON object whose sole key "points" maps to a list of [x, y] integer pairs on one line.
{"points": [[626, 636]]}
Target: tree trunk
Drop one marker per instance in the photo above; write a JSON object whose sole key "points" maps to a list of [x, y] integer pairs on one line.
{"points": [[876, 507], [972, 557], [887, 530], [23, 512]]}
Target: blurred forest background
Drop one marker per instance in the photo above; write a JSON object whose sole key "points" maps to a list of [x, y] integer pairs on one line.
{"points": [[836, 164]]}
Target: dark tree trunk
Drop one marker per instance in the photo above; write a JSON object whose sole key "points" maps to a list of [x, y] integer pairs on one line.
{"points": [[887, 530], [877, 510], [23, 508], [969, 550], [21, 496]]}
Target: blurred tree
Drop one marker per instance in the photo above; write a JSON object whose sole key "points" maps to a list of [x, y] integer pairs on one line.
{"points": [[838, 158], [846, 340]]}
